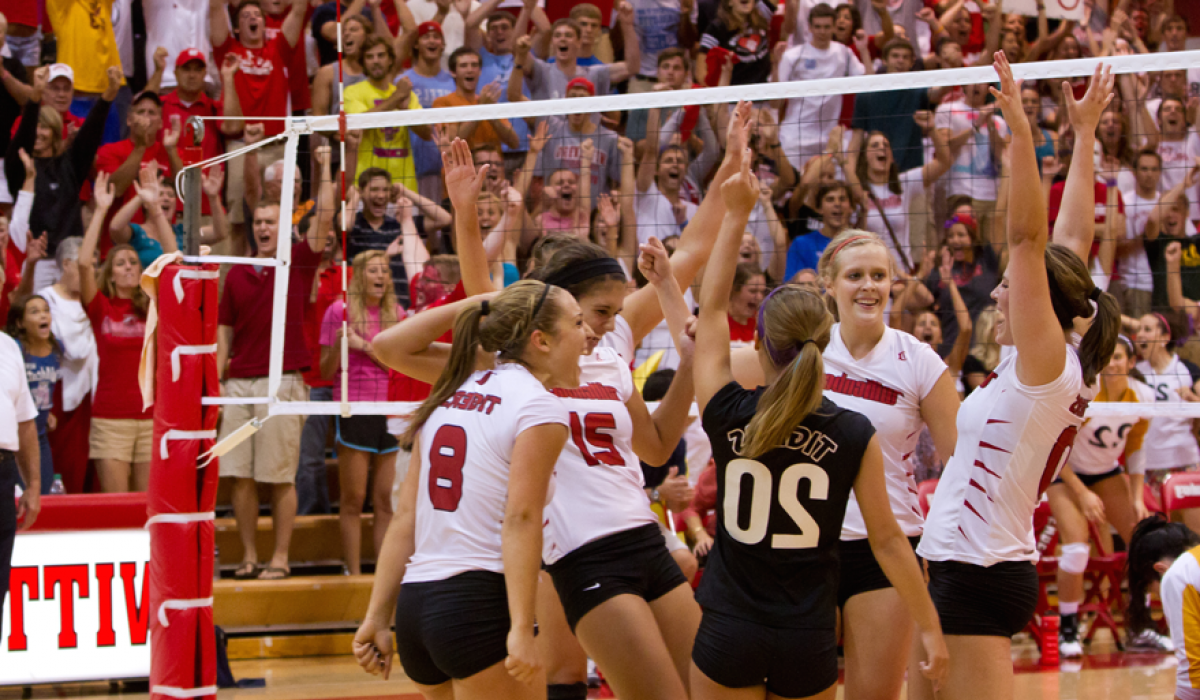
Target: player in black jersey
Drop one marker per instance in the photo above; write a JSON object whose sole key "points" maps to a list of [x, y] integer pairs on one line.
{"points": [[786, 461]]}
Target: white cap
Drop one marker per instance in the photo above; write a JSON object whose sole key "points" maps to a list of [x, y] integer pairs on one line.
{"points": [[61, 70]]}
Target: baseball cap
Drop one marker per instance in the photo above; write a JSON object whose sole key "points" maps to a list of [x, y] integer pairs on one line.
{"points": [[61, 70], [582, 83], [147, 95], [190, 55], [426, 27]]}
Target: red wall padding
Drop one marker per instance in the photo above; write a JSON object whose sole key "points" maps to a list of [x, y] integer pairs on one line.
{"points": [[181, 555]]}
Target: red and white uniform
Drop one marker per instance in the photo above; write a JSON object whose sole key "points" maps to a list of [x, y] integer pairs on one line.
{"points": [[1169, 441], [466, 455], [1012, 441], [1102, 440], [887, 386], [598, 479]]}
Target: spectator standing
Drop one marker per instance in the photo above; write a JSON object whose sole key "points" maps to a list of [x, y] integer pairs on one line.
{"points": [[451, 25], [23, 31], [260, 82], [742, 28], [807, 121], [122, 431], [658, 25], [276, 12], [312, 486], [833, 204], [495, 48], [59, 94], [330, 77], [390, 148], [14, 80], [981, 135], [465, 64], [86, 42], [429, 81], [178, 26], [1179, 147], [324, 26], [29, 324], [375, 230], [271, 456], [1136, 289], [549, 81], [61, 170], [674, 73], [1164, 220], [567, 135], [875, 111], [18, 455], [189, 99], [122, 160]]}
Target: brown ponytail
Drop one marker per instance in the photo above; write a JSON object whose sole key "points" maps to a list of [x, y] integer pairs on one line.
{"points": [[1072, 293], [511, 319], [794, 322]]}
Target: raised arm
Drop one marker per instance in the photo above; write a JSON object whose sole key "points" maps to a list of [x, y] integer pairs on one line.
{"points": [[463, 186], [633, 52], [713, 368], [102, 195], [320, 230], [411, 348], [218, 22], [1076, 224]]}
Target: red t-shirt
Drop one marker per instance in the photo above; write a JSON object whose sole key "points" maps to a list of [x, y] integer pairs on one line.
{"points": [[246, 306], [1101, 194], [69, 120], [211, 145], [742, 332], [13, 261], [108, 159], [262, 82], [329, 290], [119, 331], [298, 69], [404, 388], [20, 12]]}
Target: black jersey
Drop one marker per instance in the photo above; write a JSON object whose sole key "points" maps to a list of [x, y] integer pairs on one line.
{"points": [[779, 517]]}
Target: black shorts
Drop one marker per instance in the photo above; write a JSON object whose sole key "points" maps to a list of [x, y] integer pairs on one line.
{"points": [[860, 571], [978, 601], [453, 628], [632, 561], [366, 434], [1090, 480], [739, 653]]}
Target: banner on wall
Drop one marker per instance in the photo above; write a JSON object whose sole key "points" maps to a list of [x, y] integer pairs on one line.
{"points": [[77, 608], [1055, 9]]}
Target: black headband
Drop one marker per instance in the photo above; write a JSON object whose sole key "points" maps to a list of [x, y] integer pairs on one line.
{"points": [[541, 300], [581, 272]]}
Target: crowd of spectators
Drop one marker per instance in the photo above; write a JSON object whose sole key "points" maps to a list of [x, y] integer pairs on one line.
{"points": [[96, 118]]}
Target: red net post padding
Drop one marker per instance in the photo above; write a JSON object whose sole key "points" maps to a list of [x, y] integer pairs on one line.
{"points": [[182, 494]]}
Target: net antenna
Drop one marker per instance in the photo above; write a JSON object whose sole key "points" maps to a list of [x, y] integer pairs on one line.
{"points": [[342, 122]]}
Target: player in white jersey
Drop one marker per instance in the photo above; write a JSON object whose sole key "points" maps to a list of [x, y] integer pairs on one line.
{"points": [[1092, 486], [1015, 431], [623, 595], [1170, 445], [459, 564], [1166, 556]]}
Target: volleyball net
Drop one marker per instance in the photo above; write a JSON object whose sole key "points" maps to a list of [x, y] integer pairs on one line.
{"points": [[921, 155]]}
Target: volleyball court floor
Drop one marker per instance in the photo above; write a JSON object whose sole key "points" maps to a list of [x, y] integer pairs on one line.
{"points": [[1103, 674]]}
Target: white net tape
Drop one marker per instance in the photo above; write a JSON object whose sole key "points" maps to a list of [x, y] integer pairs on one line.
{"points": [[301, 126]]}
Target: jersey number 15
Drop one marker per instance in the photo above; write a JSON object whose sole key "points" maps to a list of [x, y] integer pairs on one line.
{"points": [[761, 499]]}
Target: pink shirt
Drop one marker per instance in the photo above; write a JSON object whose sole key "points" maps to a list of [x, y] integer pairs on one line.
{"points": [[368, 381]]}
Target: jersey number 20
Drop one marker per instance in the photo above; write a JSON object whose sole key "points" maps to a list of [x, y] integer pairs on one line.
{"points": [[447, 455], [761, 498]]}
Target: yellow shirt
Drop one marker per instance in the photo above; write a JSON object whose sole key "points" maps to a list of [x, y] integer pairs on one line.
{"points": [[386, 148], [86, 41]]}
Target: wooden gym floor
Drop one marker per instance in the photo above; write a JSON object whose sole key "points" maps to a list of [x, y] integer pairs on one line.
{"points": [[1103, 674]]}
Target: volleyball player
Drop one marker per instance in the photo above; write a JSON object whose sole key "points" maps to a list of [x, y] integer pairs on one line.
{"points": [[1015, 430], [1093, 486], [787, 459], [460, 561], [1166, 556]]}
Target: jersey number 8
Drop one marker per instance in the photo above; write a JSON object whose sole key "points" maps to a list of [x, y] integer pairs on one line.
{"points": [[447, 456], [760, 502]]}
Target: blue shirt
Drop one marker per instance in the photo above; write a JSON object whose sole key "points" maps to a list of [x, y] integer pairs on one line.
{"points": [[425, 153], [805, 252], [147, 247], [42, 374], [500, 68]]}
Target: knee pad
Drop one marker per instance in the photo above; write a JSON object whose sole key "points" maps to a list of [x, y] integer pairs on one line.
{"points": [[1074, 557], [567, 691]]}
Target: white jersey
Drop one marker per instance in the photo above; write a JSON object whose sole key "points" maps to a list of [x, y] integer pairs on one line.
{"points": [[887, 386], [466, 455], [1169, 441], [1180, 593], [896, 209], [1012, 441], [599, 486], [1103, 439]]}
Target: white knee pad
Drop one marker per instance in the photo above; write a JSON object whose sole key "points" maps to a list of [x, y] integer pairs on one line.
{"points": [[1074, 557]]}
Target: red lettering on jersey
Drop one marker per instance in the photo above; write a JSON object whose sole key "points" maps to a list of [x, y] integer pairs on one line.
{"points": [[902, 357], [987, 381], [1080, 406], [486, 376], [471, 401], [870, 390], [593, 391]]}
